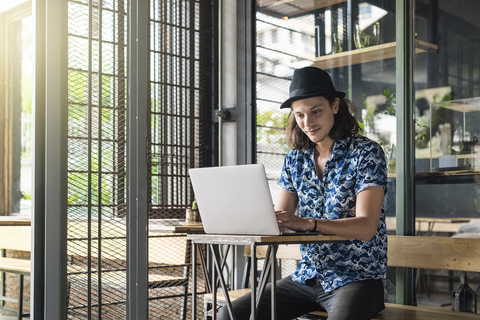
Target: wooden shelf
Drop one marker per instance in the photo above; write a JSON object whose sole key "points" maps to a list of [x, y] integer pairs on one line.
{"points": [[462, 105], [375, 53], [291, 8]]}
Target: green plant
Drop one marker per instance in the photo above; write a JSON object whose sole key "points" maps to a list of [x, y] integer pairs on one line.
{"points": [[271, 129], [336, 46], [362, 127], [26, 195], [421, 131], [391, 103]]}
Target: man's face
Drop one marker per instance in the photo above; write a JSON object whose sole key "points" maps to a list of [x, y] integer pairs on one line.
{"points": [[315, 116]]}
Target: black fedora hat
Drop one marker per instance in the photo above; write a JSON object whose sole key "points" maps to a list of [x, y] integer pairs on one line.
{"points": [[310, 82]]}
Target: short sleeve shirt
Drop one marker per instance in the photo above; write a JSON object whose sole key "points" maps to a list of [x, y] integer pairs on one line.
{"points": [[355, 164]]}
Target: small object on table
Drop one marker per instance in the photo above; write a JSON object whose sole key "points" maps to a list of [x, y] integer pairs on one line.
{"points": [[192, 214]]}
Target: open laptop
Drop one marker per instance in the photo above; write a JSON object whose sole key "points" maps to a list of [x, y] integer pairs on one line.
{"points": [[235, 200]]}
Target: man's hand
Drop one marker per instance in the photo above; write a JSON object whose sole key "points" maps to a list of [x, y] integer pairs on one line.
{"points": [[287, 221]]}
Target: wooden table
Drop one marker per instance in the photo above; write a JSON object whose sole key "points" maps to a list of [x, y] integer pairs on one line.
{"points": [[269, 270], [196, 228], [453, 222], [430, 225], [15, 221], [14, 235]]}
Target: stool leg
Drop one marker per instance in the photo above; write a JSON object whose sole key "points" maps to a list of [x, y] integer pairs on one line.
{"points": [[20, 298], [2, 290]]}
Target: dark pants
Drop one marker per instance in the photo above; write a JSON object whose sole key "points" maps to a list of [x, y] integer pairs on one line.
{"points": [[354, 301]]}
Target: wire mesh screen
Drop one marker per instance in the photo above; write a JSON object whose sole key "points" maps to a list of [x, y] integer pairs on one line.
{"points": [[175, 106], [176, 144], [283, 44], [96, 232]]}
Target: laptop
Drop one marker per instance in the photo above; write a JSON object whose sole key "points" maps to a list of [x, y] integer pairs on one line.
{"points": [[235, 200]]}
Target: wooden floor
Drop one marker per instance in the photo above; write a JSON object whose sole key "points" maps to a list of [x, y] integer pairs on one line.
{"points": [[436, 301]]}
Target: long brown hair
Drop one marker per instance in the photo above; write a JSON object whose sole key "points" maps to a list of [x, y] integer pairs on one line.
{"points": [[345, 124]]}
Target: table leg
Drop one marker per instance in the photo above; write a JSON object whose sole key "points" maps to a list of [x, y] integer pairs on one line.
{"points": [[206, 274], [194, 280], [253, 276], [225, 256], [234, 269], [20, 298], [214, 283], [264, 275], [211, 278], [269, 269], [218, 271], [273, 281], [431, 224]]}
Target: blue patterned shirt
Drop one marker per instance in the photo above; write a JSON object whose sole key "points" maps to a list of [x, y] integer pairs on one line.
{"points": [[355, 164]]}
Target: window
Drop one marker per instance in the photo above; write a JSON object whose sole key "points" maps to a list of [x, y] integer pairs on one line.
{"points": [[447, 114], [16, 109], [180, 128], [325, 43], [446, 108]]}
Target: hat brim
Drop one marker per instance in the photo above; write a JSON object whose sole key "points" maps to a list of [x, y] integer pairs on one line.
{"points": [[335, 94]]}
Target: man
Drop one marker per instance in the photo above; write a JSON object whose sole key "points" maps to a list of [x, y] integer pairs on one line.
{"points": [[337, 179]]}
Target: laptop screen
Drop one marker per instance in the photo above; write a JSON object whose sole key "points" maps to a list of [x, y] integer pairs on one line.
{"points": [[234, 200]]}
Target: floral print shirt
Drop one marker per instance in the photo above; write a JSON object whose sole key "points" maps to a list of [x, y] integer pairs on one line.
{"points": [[355, 164]]}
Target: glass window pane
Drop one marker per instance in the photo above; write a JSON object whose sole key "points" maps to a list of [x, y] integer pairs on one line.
{"points": [[447, 113], [355, 42], [447, 118], [24, 206]]}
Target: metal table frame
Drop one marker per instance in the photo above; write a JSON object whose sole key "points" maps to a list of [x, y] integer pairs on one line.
{"points": [[268, 270]]}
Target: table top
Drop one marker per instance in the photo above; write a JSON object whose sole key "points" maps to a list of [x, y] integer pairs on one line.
{"points": [[15, 237], [262, 239], [436, 224], [443, 220], [15, 221], [196, 228]]}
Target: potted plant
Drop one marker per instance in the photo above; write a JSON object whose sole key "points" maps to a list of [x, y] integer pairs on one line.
{"points": [[192, 214]]}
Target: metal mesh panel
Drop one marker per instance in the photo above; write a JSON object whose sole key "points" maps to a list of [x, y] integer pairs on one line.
{"points": [[282, 46], [96, 244], [175, 107], [175, 145], [96, 160]]}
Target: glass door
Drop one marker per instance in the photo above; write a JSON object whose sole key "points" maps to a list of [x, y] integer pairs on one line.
{"points": [[354, 41], [447, 130]]}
